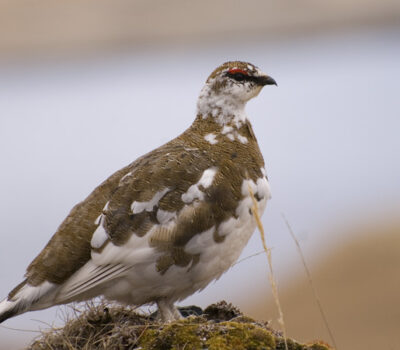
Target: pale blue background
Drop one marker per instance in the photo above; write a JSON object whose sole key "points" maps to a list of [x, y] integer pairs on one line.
{"points": [[329, 134]]}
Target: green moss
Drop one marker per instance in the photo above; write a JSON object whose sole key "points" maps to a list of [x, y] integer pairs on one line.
{"points": [[213, 336], [292, 345], [240, 336], [173, 336]]}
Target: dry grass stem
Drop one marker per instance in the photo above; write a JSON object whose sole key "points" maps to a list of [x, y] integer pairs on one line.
{"points": [[271, 276], [310, 281], [249, 257], [20, 329]]}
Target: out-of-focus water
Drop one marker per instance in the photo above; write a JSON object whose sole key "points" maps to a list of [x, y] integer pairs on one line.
{"points": [[329, 134]]}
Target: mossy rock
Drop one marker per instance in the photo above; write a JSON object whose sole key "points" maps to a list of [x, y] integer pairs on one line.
{"points": [[198, 333], [221, 327]]}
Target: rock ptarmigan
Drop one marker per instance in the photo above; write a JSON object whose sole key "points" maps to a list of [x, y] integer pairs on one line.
{"points": [[169, 223]]}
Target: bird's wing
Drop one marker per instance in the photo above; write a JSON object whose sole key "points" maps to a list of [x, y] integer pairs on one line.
{"points": [[157, 207], [70, 247]]}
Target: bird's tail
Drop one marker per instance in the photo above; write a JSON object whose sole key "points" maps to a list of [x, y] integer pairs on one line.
{"points": [[10, 307], [23, 298]]}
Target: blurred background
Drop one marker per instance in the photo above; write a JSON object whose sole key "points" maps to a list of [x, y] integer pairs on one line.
{"points": [[88, 86]]}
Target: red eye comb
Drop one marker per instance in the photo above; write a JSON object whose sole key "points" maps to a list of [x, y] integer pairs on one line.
{"points": [[237, 70]]}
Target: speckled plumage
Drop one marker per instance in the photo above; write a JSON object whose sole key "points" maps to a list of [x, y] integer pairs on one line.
{"points": [[166, 225]]}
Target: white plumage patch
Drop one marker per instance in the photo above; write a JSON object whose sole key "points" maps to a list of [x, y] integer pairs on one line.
{"points": [[208, 177], [211, 138], [98, 219], [99, 237], [226, 129], [241, 138], [233, 134], [138, 207], [164, 216], [230, 137], [205, 181]]}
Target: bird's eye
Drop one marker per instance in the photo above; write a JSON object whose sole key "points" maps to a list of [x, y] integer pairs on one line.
{"points": [[238, 76]]}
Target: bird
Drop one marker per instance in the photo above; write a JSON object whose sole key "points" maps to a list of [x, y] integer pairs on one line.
{"points": [[169, 223]]}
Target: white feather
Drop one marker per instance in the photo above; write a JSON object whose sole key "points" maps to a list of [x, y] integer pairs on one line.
{"points": [[99, 237], [138, 207], [205, 181], [211, 138]]}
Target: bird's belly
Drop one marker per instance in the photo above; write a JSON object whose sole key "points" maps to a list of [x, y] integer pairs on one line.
{"points": [[144, 283]]}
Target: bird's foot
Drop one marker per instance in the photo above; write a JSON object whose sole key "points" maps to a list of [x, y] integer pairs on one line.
{"points": [[168, 312]]}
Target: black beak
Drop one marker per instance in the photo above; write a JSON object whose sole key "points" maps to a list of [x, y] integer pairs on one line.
{"points": [[266, 80]]}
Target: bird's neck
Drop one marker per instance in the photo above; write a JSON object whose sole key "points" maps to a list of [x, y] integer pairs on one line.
{"points": [[223, 108], [217, 131]]}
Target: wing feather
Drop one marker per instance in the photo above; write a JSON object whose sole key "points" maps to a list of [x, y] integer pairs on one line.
{"points": [[87, 280]]}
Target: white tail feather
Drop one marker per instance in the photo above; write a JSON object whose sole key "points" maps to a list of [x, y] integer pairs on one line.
{"points": [[7, 309], [27, 298]]}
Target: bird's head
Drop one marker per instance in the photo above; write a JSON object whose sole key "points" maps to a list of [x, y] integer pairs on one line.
{"points": [[241, 80], [230, 86]]}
